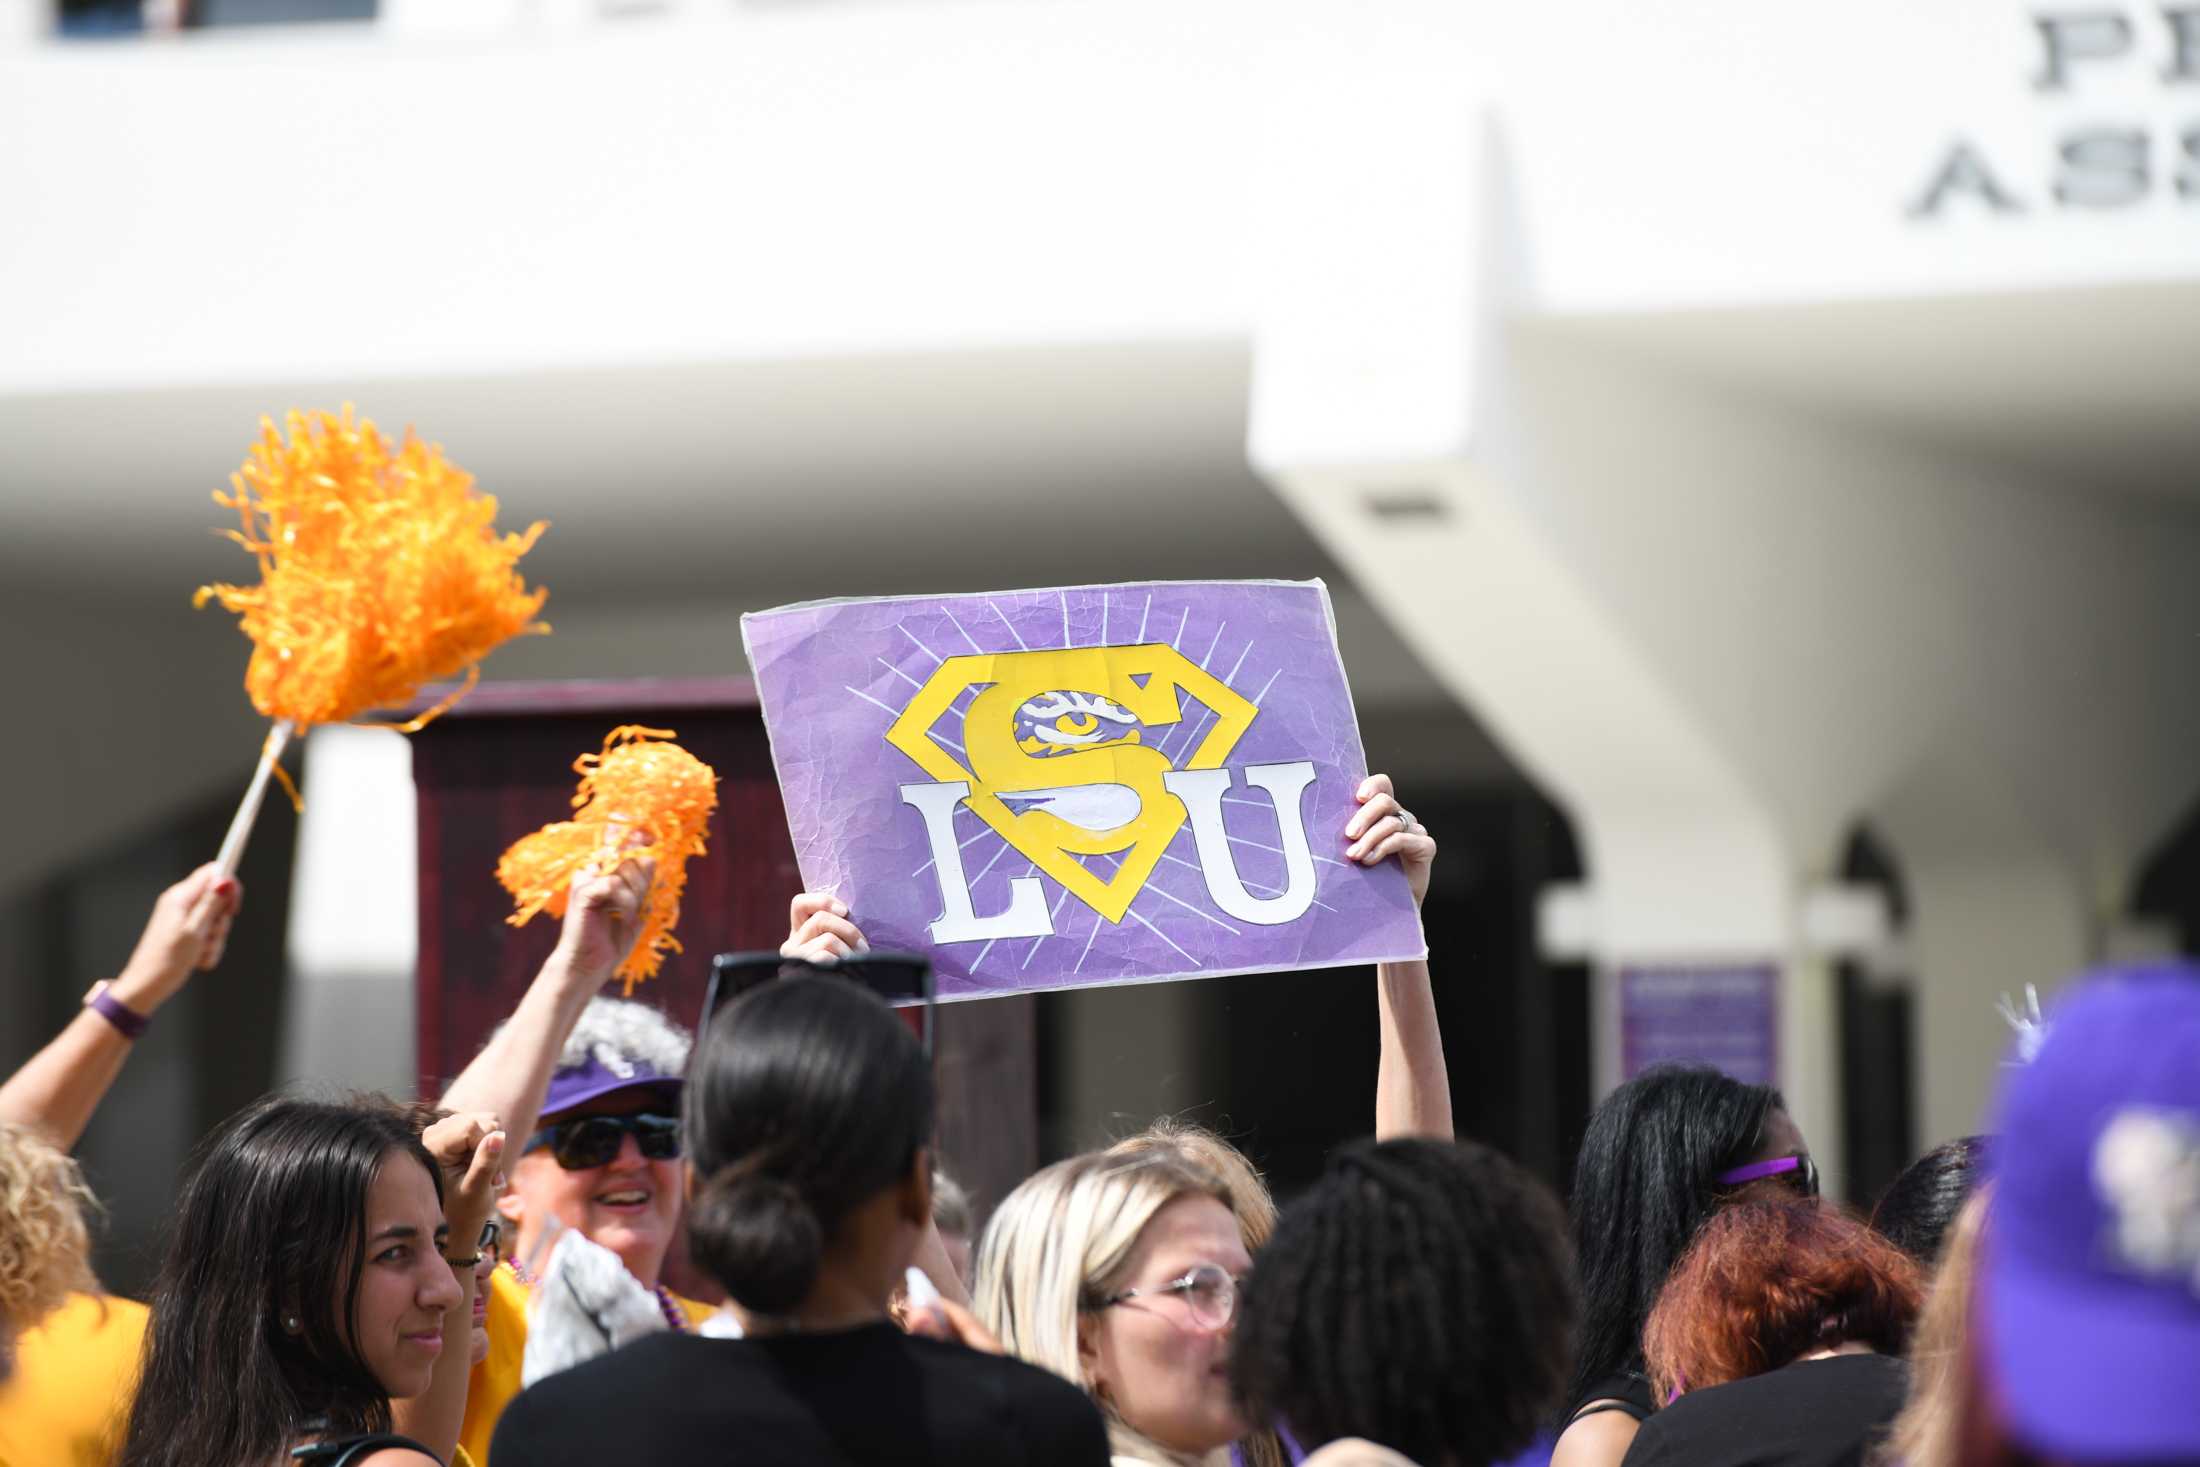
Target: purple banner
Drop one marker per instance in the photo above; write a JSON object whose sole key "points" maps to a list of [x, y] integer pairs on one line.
{"points": [[1084, 785], [1725, 1017]]}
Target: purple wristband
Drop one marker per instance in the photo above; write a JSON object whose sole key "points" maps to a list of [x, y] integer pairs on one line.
{"points": [[129, 1021]]}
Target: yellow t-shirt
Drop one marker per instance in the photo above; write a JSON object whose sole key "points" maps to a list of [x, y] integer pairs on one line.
{"points": [[67, 1399], [496, 1379]]}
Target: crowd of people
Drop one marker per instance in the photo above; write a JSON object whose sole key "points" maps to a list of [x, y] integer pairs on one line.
{"points": [[611, 1241]]}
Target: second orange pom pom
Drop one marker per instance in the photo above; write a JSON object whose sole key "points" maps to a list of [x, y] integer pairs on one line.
{"points": [[641, 783]]}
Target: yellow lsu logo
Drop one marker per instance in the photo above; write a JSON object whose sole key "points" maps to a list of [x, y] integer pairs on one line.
{"points": [[1061, 757]]}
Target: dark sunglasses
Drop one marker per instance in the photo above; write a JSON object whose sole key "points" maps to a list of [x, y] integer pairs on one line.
{"points": [[589, 1141], [904, 980], [1805, 1178]]}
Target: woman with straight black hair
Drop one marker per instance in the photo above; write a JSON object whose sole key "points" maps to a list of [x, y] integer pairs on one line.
{"points": [[809, 1112], [1661, 1154], [307, 1283]]}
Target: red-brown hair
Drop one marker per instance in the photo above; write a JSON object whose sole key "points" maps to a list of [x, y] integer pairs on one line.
{"points": [[1766, 1283]]}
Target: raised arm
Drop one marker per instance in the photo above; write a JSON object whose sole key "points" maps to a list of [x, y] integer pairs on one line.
{"points": [[1412, 1083], [511, 1074], [59, 1087]]}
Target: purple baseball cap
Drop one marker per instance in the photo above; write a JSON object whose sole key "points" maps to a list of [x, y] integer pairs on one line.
{"points": [[617, 1044], [2090, 1293], [592, 1079]]}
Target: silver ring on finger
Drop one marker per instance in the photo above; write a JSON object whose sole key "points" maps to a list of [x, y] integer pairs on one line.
{"points": [[1405, 818]]}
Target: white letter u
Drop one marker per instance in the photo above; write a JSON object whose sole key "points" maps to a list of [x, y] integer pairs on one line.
{"points": [[1202, 790]]}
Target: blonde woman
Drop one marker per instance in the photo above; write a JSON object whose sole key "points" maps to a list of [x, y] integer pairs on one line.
{"points": [[44, 1246], [72, 1369], [1120, 1274], [49, 1302], [1251, 1204]]}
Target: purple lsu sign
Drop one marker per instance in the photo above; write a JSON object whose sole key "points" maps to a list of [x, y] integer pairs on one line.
{"points": [[1080, 785]]}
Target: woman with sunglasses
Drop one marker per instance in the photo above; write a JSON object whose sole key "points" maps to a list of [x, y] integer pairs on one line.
{"points": [[312, 1277], [1663, 1152], [590, 1089], [809, 1114], [602, 1160], [1120, 1274]]}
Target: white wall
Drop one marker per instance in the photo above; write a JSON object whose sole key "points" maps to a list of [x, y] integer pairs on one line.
{"points": [[1722, 629], [853, 179]]}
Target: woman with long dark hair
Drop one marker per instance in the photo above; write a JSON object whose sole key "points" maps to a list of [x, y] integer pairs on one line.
{"points": [[310, 1278], [1661, 1154], [809, 1114]]}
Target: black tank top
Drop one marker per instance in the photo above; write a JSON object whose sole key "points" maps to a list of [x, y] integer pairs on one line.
{"points": [[1627, 1392], [344, 1451]]}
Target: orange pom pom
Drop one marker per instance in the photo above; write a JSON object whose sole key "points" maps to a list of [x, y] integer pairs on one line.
{"points": [[637, 784], [380, 570]]}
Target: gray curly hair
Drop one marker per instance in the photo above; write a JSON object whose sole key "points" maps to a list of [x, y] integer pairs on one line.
{"points": [[619, 1033]]}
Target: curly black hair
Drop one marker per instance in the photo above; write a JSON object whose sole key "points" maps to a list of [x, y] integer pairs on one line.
{"points": [[1421, 1295]]}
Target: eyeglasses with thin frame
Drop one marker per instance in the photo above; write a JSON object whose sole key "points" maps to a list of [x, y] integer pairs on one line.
{"points": [[1799, 1171], [1208, 1292], [592, 1141]]}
